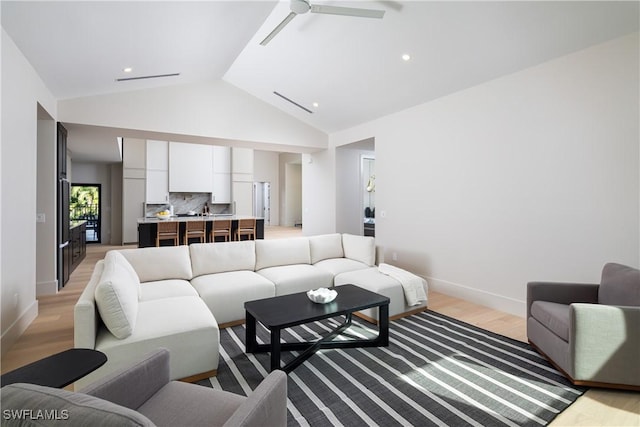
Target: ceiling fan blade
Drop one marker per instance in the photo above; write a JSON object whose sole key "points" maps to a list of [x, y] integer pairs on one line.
{"points": [[279, 28], [347, 11]]}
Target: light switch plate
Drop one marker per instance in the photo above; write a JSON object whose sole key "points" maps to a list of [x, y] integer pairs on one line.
{"points": [[40, 217]]}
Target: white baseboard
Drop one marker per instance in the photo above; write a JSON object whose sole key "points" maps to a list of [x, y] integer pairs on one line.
{"points": [[478, 296], [18, 327], [47, 288]]}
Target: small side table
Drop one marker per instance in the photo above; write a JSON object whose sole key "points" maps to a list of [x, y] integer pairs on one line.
{"points": [[58, 370]]}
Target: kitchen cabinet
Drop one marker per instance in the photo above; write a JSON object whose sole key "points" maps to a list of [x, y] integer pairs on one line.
{"points": [[157, 183], [190, 168], [221, 167], [134, 159], [78, 243], [134, 153], [242, 180], [221, 159], [133, 190], [157, 172]]}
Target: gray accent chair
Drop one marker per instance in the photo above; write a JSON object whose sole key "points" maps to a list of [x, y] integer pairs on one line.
{"points": [[591, 332], [142, 395]]}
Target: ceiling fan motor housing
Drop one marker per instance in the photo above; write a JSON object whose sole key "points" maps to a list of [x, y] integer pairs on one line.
{"points": [[300, 6]]}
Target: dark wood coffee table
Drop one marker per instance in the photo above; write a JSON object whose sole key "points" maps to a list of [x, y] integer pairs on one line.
{"points": [[58, 370], [285, 311]]}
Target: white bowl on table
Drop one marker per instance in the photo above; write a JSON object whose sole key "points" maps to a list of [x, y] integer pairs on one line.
{"points": [[322, 295], [161, 215]]}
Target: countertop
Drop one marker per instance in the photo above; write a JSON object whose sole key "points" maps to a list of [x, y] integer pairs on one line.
{"points": [[194, 218]]}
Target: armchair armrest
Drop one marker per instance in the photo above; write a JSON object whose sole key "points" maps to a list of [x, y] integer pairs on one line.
{"points": [[561, 293], [604, 343], [266, 406], [132, 386]]}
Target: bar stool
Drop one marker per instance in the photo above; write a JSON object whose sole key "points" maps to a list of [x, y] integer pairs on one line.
{"points": [[167, 230], [195, 230], [221, 227], [246, 227]]}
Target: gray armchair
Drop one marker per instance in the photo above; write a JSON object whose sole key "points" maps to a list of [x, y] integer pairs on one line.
{"points": [[590, 331], [143, 396]]}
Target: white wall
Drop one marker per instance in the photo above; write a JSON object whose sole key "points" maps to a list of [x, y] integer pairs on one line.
{"points": [[533, 176], [266, 168], [215, 109], [97, 173], [22, 90]]}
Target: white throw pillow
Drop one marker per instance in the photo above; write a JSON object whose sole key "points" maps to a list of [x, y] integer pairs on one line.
{"points": [[325, 246], [359, 248], [117, 295]]}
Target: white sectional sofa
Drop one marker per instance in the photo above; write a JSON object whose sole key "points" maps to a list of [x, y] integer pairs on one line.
{"points": [[178, 297]]}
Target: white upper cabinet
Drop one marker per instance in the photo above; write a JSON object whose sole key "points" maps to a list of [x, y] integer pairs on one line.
{"points": [[157, 172], [158, 155], [221, 163], [133, 153], [221, 159], [190, 168]]}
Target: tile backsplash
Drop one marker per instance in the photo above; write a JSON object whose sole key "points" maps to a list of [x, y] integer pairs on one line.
{"points": [[185, 202]]}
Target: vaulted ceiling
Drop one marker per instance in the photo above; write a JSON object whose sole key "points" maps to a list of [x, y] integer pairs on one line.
{"points": [[351, 67]]}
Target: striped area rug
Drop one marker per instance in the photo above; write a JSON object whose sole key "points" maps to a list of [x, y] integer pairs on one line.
{"points": [[436, 371]]}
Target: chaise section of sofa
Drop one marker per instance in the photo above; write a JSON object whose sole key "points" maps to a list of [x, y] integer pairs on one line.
{"points": [[130, 308]]}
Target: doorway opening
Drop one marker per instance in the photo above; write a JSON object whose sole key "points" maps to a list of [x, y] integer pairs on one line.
{"points": [[262, 201], [85, 206]]}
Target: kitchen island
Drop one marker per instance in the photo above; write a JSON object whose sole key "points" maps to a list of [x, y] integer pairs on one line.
{"points": [[148, 227]]}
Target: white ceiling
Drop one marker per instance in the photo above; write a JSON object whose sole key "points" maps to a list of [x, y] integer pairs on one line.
{"points": [[351, 66]]}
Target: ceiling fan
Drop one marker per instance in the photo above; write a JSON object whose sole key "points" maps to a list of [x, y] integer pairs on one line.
{"points": [[299, 7]]}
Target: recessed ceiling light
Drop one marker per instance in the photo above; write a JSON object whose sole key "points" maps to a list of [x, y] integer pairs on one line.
{"points": [[315, 105], [127, 70], [406, 57]]}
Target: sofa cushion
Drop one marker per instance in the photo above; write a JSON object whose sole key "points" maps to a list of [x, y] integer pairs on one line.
{"points": [[166, 262], [117, 295], [166, 289], [325, 246], [360, 248], [225, 293], [620, 285], [297, 278], [210, 258], [65, 408], [340, 265], [553, 316], [273, 253]]}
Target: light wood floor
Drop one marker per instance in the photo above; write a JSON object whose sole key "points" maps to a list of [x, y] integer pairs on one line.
{"points": [[52, 331]]}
